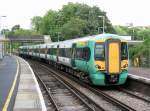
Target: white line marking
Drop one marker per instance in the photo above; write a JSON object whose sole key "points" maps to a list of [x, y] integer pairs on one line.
{"points": [[139, 77]]}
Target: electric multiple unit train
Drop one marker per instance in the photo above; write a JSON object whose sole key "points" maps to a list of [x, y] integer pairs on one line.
{"points": [[101, 59]]}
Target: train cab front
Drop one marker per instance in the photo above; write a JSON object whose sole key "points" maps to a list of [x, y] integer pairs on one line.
{"points": [[111, 59]]}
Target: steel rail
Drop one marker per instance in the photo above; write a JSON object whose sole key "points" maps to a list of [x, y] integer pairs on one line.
{"points": [[47, 91], [98, 92], [134, 95], [72, 89], [112, 99]]}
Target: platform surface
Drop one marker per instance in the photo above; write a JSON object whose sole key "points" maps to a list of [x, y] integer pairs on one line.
{"points": [[8, 68], [29, 96], [142, 74]]}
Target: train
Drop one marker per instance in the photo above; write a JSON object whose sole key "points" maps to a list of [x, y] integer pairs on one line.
{"points": [[101, 59]]}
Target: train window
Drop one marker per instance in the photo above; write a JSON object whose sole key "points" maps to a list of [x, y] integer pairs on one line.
{"points": [[83, 53], [124, 51], [43, 51], [99, 51], [86, 53], [65, 52], [79, 53], [68, 52], [36, 50], [54, 51], [49, 51], [61, 52]]}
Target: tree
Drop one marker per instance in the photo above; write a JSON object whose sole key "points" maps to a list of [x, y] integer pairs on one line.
{"points": [[5, 32], [55, 22], [89, 14], [75, 28], [36, 23], [144, 34], [17, 31], [15, 27], [48, 22], [121, 30]]}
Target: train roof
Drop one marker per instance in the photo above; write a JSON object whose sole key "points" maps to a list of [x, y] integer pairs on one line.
{"points": [[68, 43], [93, 37]]}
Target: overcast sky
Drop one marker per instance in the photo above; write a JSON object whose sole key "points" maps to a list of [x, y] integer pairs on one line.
{"points": [[120, 12]]}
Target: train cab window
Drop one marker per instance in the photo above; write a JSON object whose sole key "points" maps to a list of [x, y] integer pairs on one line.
{"points": [[124, 51], [99, 51]]}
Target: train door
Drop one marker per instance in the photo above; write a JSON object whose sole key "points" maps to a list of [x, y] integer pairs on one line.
{"points": [[113, 56], [39, 51], [57, 53], [73, 55], [46, 51]]}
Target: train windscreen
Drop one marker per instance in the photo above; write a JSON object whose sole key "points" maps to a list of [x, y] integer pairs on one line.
{"points": [[99, 51], [124, 51]]}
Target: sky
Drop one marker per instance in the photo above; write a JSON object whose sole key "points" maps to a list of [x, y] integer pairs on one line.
{"points": [[119, 12]]}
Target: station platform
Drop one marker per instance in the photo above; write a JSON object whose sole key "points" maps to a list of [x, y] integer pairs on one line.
{"points": [[19, 89], [139, 73], [8, 70]]}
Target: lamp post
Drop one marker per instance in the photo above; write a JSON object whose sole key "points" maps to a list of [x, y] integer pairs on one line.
{"points": [[103, 17], [1, 44], [131, 26], [0, 22]]}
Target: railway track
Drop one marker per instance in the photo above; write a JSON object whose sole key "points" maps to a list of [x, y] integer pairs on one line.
{"points": [[106, 97], [61, 94], [134, 95], [97, 91]]}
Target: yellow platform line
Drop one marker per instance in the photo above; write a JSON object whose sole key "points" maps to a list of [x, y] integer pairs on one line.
{"points": [[12, 89]]}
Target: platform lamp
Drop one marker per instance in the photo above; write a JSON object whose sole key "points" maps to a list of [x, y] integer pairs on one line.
{"points": [[0, 21], [2, 53], [2, 45], [103, 17]]}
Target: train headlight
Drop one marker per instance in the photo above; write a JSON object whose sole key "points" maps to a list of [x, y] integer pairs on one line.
{"points": [[125, 66], [98, 66]]}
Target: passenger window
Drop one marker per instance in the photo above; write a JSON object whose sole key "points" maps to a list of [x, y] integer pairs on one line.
{"points": [[83, 53]]}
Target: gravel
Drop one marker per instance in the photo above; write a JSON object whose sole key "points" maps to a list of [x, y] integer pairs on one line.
{"points": [[135, 103], [98, 99]]}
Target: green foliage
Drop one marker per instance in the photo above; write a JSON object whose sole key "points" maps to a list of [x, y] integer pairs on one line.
{"points": [[15, 27], [140, 50], [36, 23], [4, 31], [121, 30], [144, 34], [74, 28], [73, 20], [16, 31]]}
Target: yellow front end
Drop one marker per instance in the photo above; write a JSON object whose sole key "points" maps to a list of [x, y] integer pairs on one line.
{"points": [[113, 60]]}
